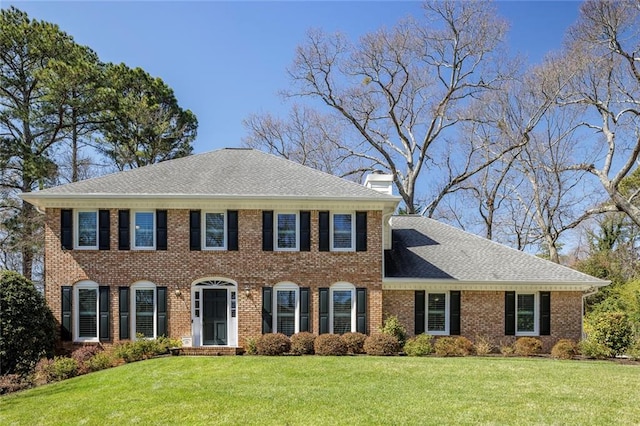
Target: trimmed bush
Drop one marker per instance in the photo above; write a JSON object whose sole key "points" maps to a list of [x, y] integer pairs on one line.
{"points": [[564, 349], [54, 370], [329, 344], [302, 343], [393, 327], [354, 342], [100, 361], [611, 329], [83, 355], [527, 346], [381, 344], [27, 326], [273, 344], [453, 346], [419, 345], [591, 348], [13, 383]]}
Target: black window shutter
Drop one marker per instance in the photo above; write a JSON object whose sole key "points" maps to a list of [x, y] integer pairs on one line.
{"points": [[361, 310], [194, 230], [123, 230], [323, 310], [419, 308], [267, 308], [232, 230], [163, 323], [267, 230], [104, 230], [545, 313], [323, 236], [304, 309], [361, 231], [123, 302], [65, 322], [66, 229], [305, 231], [454, 313], [161, 229], [103, 304], [510, 313]]}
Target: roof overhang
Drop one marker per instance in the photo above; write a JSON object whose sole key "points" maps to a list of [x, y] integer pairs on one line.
{"points": [[452, 284]]}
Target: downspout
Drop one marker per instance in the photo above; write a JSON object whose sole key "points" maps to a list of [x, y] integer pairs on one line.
{"points": [[386, 218]]}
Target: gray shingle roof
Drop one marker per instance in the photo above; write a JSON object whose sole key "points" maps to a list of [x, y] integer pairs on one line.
{"points": [[428, 249], [223, 173]]}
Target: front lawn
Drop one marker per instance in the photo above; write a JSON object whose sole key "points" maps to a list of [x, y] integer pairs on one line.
{"points": [[337, 390]]}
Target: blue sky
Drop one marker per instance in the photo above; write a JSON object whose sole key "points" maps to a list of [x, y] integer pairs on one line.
{"points": [[226, 60]]}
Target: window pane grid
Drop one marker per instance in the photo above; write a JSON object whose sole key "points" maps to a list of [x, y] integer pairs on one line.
{"points": [[341, 311], [214, 230], [144, 229], [286, 231], [436, 312], [526, 313], [342, 231], [286, 311], [144, 312], [88, 313], [87, 229]]}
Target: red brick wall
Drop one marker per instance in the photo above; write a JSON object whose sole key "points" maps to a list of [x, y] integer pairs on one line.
{"points": [[178, 267], [482, 314]]}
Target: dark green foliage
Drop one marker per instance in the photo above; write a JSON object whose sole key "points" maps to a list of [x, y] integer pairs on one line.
{"points": [[382, 344], [564, 349], [419, 345], [527, 346], [302, 343], [329, 344], [273, 344], [393, 327], [27, 326], [354, 342], [611, 329], [453, 346]]}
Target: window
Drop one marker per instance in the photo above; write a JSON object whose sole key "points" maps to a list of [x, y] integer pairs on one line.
{"points": [[437, 314], [215, 231], [286, 308], [286, 231], [526, 314], [86, 229], [143, 306], [144, 230], [342, 232], [86, 312], [342, 308]]}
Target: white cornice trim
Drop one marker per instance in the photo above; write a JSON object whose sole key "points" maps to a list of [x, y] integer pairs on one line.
{"points": [[430, 284]]}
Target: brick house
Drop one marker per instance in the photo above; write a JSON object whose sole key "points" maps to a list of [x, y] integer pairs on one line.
{"points": [[219, 247]]}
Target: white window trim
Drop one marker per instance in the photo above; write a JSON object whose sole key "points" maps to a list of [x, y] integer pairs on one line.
{"points": [[204, 230], [133, 230], [85, 285], [536, 315], [143, 285], [353, 232], [286, 286], [447, 301], [341, 286], [275, 233], [76, 230]]}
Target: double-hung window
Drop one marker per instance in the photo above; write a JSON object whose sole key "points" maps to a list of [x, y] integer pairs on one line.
{"points": [[437, 315], [144, 230], [526, 314], [286, 235], [86, 312], [86, 229], [286, 308], [342, 232], [215, 237], [143, 306], [342, 308]]}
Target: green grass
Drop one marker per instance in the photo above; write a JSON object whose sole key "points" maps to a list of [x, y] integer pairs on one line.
{"points": [[337, 390]]}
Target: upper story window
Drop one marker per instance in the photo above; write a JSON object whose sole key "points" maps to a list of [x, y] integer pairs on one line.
{"points": [[342, 232], [144, 230], [287, 237], [215, 231], [86, 229]]}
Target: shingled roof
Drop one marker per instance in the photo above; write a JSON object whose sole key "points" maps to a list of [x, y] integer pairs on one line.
{"points": [[222, 173], [427, 249]]}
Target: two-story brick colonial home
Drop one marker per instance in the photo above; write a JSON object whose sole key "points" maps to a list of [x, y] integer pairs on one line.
{"points": [[219, 247]]}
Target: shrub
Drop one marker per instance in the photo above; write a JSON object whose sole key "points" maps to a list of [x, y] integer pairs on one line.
{"points": [[329, 344], [453, 346], [273, 344], [564, 349], [12, 383], [27, 326], [527, 346], [100, 361], [250, 346], [419, 345], [54, 370], [393, 327], [163, 343], [129, 351], [634, 350], [354, 342], [594, 349], [381, 344], [507, 349], [483, 345], [302, 343], [83, 355], [611, 329]]}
